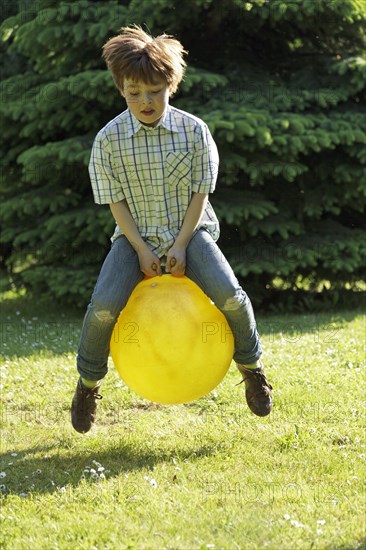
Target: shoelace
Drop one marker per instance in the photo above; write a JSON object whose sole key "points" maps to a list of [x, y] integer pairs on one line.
{"points": [[89, 393], [96, 395], [260, 375]]}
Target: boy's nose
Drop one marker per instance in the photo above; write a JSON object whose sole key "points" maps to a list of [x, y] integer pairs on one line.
{"points": [[147, 98]]}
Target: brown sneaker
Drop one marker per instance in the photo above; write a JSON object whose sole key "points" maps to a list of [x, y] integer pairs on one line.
{"points": [[84, 407], [257, 390]]}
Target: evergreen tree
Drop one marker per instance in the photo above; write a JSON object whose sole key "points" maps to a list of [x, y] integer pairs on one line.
{"points": [[281, 85]]}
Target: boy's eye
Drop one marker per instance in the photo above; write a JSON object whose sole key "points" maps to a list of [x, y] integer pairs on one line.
{"points": [[152, 91]]}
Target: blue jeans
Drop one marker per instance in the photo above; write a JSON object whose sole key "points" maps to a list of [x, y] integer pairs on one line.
{"points": [[120, 273]]}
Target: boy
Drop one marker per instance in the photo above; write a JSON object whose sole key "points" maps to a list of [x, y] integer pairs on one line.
{"points": [[155, 166]]}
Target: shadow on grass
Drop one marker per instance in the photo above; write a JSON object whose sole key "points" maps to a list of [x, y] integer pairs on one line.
{"points": [[32, 475]]}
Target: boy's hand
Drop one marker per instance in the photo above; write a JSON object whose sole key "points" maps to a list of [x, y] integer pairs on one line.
{"points": [[176, 260], [149, 262]]}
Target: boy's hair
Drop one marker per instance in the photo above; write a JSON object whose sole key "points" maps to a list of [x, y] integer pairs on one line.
{"points": [[137, 56]]}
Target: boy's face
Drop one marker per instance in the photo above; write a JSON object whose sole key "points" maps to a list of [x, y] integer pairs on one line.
{"points": [[147, 102]]}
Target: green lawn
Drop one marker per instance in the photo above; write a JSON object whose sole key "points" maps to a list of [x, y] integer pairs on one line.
{"points": [[209, 474]]}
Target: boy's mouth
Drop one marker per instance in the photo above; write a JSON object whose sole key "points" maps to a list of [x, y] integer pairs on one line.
{"points": [[148, 112]]}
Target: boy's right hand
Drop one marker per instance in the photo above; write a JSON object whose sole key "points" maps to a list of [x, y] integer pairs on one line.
{"points": [[149, 262]]}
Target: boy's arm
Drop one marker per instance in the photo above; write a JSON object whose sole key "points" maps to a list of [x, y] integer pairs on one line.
{"points": [[148, 260], [191, 220], [205, 164]]}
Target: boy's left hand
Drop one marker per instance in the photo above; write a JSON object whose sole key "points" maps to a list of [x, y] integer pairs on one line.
{"points": [[176, 260]]}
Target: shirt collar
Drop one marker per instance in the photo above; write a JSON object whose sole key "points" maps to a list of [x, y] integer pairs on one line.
{"points": [[167, 121]]}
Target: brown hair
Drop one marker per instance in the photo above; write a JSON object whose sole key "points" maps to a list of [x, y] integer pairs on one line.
{"points": [[137, 56]]}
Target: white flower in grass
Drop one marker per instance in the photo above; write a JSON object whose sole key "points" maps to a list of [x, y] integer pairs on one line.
{"points": [[153, 483], [321, 522], [319, 531], [92, 473], [296, 523], [14, 454], [2, 475], [2, 488], [287, 517]]}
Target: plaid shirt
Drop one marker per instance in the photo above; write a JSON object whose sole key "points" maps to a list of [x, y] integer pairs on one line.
{"points": [[156, 170]]}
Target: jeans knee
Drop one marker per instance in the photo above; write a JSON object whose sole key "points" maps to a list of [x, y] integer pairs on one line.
{"points": [[102, 312], [234, 302], [104, 315]]}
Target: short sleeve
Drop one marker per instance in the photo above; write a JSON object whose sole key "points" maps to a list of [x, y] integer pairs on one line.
{"points": [[105, 183], [205, 163]]}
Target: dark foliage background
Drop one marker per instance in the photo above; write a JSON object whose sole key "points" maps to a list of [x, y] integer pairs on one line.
{"points": [[281, 85]]}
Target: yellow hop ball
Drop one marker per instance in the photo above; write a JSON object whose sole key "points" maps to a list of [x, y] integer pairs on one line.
{"points": [[171, 344]]}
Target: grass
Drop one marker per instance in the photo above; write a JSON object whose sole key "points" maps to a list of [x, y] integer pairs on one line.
{"points": [[204, 475]]}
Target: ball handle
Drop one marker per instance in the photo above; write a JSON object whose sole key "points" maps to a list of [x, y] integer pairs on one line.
{"points": [[173, 262]]}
